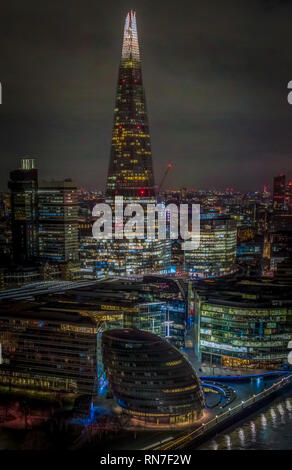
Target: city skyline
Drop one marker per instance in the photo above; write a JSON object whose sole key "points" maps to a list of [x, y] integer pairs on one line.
{"points": [[217, 103], [133, 316]]}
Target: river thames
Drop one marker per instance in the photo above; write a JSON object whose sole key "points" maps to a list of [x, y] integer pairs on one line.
{"points": [[270, 428]]}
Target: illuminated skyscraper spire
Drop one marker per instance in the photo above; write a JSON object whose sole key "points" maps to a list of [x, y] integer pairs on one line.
{"points": [[130, 170], [130, 43]]}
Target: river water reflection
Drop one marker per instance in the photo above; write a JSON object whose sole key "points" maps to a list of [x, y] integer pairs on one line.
{"points": [[270, 428]]}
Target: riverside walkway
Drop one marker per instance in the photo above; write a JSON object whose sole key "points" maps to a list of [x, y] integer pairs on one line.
{"points": [[226, 418]]}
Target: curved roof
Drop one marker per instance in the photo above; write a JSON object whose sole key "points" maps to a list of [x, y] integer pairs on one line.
{"points": [[132, 335]]}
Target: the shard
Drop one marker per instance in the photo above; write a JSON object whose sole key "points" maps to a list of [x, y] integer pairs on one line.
{"points": [[130, 170]]}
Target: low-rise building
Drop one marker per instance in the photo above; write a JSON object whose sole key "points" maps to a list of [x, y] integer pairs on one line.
{"points": [[243, 325]]}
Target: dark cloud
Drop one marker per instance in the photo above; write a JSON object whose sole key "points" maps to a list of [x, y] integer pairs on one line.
{"points": [[215, 75]]}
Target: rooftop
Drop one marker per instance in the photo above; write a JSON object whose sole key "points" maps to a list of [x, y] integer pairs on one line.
{"points": [[132, 335], [37, 311]]}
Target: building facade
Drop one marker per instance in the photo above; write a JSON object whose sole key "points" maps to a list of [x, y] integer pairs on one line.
{"points": [[54, 352], [58, 221], [23, 185], [130, 170], [279, 190], [152, 380], [132, 257], [216, 255], [244, 326]]}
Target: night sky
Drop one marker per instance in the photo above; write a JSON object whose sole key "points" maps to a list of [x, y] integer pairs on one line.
{"points": [[215, 75]]}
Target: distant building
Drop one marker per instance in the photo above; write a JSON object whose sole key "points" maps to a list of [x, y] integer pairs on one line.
{"points": [[23, 185], [94, 262], [279, 190], [6, 252], [289, 196], [249, 255], [58, 221], [125, 257], [151, 380], [280, 237], [283, 273], [18, 275], [216, 255], [281, 247], [2, 279]]}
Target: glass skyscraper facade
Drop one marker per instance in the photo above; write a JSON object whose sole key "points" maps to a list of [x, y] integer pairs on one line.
{"points": [[23, 185], [58, 221], [216, 255], [130, 170]]}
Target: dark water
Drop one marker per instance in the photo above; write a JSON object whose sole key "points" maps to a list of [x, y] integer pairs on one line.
{"points": [[270, 428]]}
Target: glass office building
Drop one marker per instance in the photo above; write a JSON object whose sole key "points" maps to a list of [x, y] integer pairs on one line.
{"points": [[152, 380], [133, 257], [216, 255], [238, 327], [130, 171], [58, 221], [23, 185], [47, 351]]}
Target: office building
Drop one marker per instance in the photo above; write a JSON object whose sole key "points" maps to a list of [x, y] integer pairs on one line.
{"points": [[58, 221], [46, 350], [279, 190], [245, 325], [216, 254], [130, 171], [23, 185], [151, 380]]}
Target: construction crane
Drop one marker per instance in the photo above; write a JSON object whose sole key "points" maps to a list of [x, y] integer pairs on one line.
{"points": [[168, 168]]}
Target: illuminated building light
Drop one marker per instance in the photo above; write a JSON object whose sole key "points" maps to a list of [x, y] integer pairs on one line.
{"points": [[216, 255], [173, 363], [134, 366], [130, 117], [244, 332]]}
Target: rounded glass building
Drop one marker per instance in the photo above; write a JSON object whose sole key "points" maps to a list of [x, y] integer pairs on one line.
{"points": [[244, 325], [150, 378]]}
